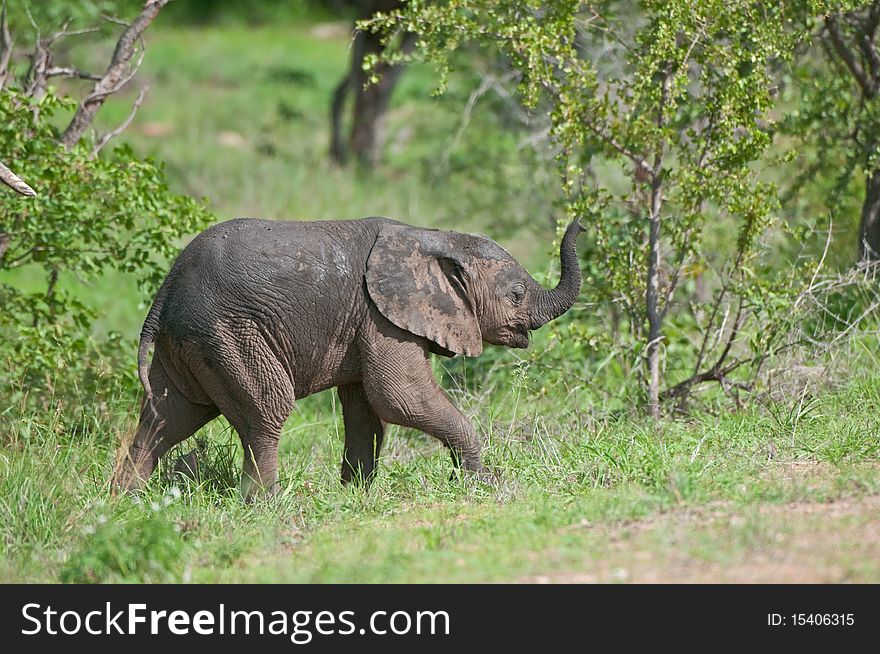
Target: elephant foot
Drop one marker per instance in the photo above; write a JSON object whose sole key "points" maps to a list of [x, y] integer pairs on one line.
{"points": [[486, 477], [479, 475], [126, 480], [251, 490]]}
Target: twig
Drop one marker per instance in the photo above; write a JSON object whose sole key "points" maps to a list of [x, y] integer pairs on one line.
{"points": [[106, 138], [822, 259], [64, 32], [114, 19], [71, 72]]}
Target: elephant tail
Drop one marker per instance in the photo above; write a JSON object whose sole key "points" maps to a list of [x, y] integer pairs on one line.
{"points": [[148, 336]]}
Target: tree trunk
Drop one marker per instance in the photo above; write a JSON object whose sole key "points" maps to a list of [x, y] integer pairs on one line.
{"points": [[652, 296], [869, 229], [5, 45], [338, 144], [370, 99]]}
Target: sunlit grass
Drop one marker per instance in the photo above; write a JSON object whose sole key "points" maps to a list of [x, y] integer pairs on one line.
{"points": [[556, 471]]}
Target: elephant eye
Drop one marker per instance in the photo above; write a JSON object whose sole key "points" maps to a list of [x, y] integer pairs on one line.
{"points": [[517, 293]]}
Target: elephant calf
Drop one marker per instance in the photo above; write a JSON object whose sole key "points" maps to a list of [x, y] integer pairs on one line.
{"points": [[257, 313]]}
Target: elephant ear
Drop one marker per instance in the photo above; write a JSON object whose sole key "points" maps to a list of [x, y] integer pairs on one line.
{"points": [[418, 285]]}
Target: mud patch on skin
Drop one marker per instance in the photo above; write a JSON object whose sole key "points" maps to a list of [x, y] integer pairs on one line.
{"points": [[798, 542]]}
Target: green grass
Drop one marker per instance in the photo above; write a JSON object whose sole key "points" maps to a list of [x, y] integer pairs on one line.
{"points": [[567, 480]]}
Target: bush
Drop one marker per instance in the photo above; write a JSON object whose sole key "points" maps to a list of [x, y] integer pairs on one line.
{"points": [[92, 215]]}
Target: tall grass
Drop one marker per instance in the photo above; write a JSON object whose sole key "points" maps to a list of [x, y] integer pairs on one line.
{"points": [[557, 465]]}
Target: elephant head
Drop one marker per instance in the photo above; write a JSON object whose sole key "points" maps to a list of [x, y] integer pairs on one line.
{"points": [[459, 291]]}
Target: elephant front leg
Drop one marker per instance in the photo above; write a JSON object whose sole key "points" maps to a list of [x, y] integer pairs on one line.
{"points": [[363, 435], [405, 393], [464, 446]]}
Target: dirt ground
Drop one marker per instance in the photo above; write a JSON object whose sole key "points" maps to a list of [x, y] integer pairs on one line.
{"points": [[800, 542]]}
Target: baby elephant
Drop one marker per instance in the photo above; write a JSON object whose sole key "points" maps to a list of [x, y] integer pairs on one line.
{"points": [[257, 313]]}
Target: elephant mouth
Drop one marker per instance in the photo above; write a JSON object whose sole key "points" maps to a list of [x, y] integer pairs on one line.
{"points": [[519, 339], [515, 336]]}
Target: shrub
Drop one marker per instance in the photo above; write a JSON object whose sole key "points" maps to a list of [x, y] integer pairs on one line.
{"points": [[92, 215]]}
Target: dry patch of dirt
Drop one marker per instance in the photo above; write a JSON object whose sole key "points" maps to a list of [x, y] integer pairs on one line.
{"points": [[798, 542]]}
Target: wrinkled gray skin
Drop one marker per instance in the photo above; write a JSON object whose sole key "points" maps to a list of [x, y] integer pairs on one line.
{"points": [[256, 313]]}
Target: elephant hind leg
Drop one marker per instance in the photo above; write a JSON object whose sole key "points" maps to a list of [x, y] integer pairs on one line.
{"points": [[166, 420], [253, 390], [364, 432], [259, 474]]}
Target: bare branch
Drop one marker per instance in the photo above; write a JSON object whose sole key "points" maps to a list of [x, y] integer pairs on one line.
{"points": [[118, 73], [14, 182], [104, 140], [844, 52], [114, 19], [488, 82], [5, 45], [40, 60], [64, 32], [41, 68], [71, 72]]}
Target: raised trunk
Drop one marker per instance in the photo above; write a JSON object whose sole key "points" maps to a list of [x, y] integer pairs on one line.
{"points": [[869, 229], [553, 303]]}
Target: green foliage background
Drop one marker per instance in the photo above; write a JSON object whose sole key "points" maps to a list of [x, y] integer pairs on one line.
{"points": [[91, 216], [237, 114]]}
